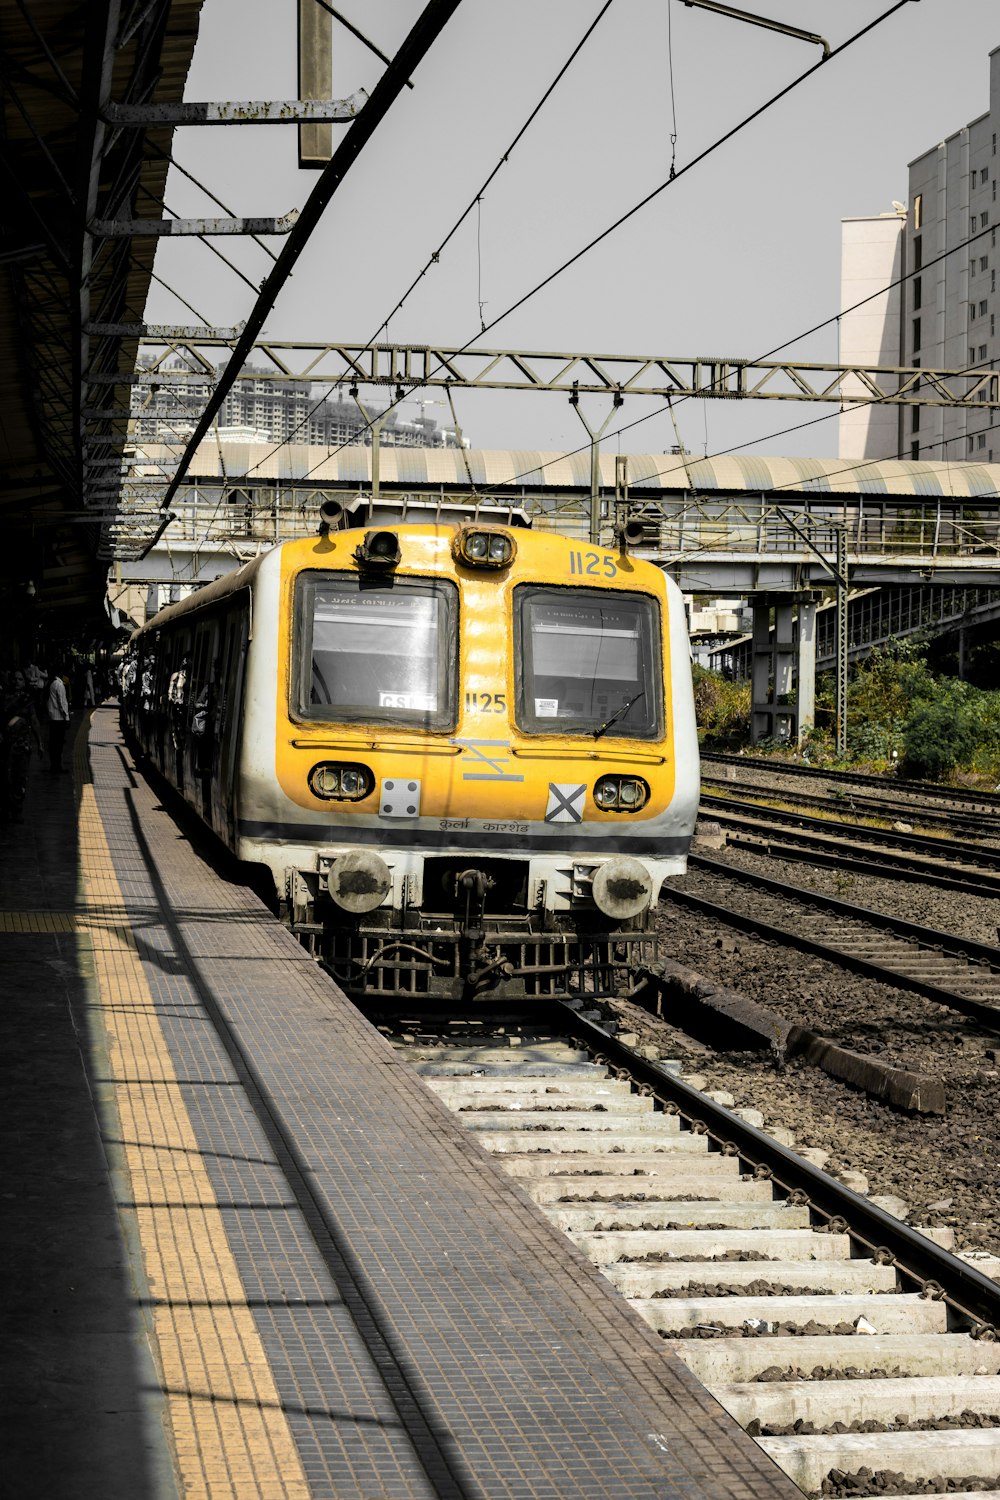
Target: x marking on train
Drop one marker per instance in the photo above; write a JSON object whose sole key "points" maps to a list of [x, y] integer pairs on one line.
{"points": [[495, 762], [565, 803]]}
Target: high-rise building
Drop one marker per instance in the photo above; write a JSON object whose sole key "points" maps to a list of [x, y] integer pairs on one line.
{"points": [[944, 315], [287, 411]]}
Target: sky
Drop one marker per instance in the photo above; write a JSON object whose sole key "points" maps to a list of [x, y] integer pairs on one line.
{"points": [[737, 256]]}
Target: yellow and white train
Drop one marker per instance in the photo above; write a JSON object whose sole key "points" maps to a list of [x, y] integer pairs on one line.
{"points": [[466, 751]]}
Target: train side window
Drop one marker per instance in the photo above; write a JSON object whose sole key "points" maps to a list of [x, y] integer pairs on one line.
{"points": [[202, 677], [376, 652], [587, 663]]}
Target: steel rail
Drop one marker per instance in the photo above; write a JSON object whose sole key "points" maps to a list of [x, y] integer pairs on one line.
{"points": [[933, 789], [927, 937], [915, 1255], [968, 823], [948, 849], [884, 866], [987, 1016]]}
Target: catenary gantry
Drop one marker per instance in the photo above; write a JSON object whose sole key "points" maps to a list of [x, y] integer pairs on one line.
{"points": [[180, 361]]}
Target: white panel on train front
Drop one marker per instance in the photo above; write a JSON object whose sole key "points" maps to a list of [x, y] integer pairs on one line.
{"points": [[400, 798]]}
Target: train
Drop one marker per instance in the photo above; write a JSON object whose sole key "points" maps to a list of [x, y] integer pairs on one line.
{"points": [[465, 749]]}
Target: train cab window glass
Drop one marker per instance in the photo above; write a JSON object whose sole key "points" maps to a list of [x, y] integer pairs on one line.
{"points": [[587, 663], [377, 651]]}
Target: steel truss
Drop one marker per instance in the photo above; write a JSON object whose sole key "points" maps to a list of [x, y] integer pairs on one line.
{"points": [[403, 367]]}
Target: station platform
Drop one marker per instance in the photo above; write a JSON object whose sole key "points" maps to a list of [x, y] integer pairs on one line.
{"points": [[245, 1251]]}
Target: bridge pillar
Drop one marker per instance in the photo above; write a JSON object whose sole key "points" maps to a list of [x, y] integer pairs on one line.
{"points": [[782, 656], [772, 717], [805, 671]]}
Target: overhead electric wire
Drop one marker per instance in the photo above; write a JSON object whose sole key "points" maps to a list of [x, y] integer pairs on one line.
{"points": [[630, 213], [673, 96], [424, 32], [172, 161], [797, 338], [435, 255], [622, 219]]}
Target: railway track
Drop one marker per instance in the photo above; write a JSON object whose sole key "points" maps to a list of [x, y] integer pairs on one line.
{"points": [[944, 967], [789, 835], [853, 805], [808, 1311], [908, 792]]}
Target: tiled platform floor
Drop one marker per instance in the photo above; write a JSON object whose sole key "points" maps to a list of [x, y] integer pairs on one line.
{"points": [[316, 1284]]}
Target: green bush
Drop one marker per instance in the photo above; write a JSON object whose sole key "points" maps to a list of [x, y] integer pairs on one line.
{"points": [[940, 736], [722, 707], [899, 711], [881, 696]]}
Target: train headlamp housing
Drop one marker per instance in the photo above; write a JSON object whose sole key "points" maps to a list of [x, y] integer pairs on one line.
{"points": [[626, 794], [380, 549], [484, 547], [334, 781]]}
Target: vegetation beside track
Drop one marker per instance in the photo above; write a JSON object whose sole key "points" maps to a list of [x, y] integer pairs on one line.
{"points": [[900, 714]]}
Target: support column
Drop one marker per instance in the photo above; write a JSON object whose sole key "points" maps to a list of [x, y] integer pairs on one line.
{"points": [[805, 672], [784, 649], [760, 671], [778, 663]]}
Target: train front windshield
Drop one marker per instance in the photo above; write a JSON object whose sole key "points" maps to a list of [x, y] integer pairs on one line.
{"points": [[382, 651], [588, 663]]}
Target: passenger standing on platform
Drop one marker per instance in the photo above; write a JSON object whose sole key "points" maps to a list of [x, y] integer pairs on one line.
{"points": [[57, 708], [88, 688], [19, 729]]}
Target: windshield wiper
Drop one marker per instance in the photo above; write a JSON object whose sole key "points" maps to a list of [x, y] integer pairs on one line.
{"points": [[619, 713]]}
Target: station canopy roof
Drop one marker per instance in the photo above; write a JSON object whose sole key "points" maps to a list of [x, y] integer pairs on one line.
{"points": [[65, 294], [528, 469]]}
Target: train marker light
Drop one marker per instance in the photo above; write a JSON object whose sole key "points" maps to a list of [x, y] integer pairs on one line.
{"points": [[340, 783], [483, 547], [621, 793], [380, 549]]}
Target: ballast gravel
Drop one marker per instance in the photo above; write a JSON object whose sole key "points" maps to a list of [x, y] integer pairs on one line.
{"points": [[945, 1169]]}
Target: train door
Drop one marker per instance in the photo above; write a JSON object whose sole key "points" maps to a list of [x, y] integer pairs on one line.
{"points": [[175, 701], [228, 720], [199, 714]]}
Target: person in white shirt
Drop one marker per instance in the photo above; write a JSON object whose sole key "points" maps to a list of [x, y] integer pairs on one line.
{"points": [[57, 709]]}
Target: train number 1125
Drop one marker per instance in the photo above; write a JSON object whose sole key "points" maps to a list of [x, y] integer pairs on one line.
{"points": [[592, 563]]}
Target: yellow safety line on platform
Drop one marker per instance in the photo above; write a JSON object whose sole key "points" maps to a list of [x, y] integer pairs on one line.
{"points": [[231, 1436], [38, 921]]}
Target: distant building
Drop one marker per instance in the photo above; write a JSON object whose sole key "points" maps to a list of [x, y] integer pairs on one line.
{"points": [[945, 314], [871, 259], [283, 411]]}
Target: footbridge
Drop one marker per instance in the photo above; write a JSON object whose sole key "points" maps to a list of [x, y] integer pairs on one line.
{"points": [[779, 531], [734, 526]]}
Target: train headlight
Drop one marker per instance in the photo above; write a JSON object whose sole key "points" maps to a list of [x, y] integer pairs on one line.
{"points": [[340, 783], [359, 881], [484, 547], [622, 888], [621, 793]]}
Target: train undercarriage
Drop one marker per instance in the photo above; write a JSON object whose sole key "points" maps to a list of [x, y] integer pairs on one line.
{"points": [[479, 942]]}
